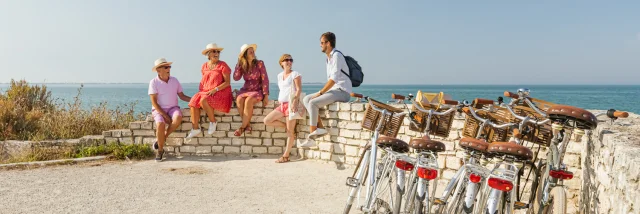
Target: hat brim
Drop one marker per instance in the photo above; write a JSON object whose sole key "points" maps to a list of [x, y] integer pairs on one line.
{"points": [[161, 64], [204, 52], [254, 46]]}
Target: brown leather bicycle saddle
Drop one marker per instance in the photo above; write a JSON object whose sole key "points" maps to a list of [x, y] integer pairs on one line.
{"points": [[512, 149], [583, 118], [396, 145], [473, 144], [428, 145]]}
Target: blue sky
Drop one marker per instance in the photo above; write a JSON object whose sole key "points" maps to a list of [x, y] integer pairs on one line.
{"points": [[399, 42]]}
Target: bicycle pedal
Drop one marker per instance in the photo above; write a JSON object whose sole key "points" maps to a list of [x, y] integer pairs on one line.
{"points": [[439, 201], [520, 205], [352, 182]]}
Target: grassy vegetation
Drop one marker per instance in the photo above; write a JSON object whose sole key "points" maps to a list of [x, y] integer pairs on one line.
{"points": [[113, 150], [28, 112]]}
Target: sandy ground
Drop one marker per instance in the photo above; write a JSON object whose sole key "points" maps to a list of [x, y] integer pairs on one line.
{"points": [[187, 185]]}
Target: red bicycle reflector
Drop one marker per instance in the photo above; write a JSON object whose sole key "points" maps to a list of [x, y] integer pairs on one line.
{"points": [[559, 174], [406, 166], [499, 184], [428, 174], [474, 178]]}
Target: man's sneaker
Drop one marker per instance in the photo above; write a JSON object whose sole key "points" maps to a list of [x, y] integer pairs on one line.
{"points": [[212, 127], [317, 133], [308, 144], [193, 133], [159, 155], [155, 145]]}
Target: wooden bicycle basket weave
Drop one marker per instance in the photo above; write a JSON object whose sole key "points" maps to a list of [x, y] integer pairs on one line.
{"points": [[440, 125], [538, 134], [472, 125], [390, 123]]}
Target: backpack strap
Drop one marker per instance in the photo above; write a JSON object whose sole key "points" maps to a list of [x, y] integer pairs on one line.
{"points": [[345, 73]]}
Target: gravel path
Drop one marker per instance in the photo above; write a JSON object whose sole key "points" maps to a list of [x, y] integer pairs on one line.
{"points": [[188, 185]]}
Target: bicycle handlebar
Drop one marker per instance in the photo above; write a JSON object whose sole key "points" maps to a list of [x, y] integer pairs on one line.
{"points": [[470, 109], [482, 101], [511, 94], [525, 118]]}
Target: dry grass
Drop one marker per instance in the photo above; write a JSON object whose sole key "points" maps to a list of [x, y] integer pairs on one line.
{"points": [[28, 112], [113, 150]]}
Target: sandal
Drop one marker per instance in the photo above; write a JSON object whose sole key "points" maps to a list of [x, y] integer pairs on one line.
{"points": [[238, 132], [282, 159], [247, 129]]}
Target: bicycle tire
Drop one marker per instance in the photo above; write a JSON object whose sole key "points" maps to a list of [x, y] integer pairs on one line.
{"points": [[359, 166], [558, 198]]}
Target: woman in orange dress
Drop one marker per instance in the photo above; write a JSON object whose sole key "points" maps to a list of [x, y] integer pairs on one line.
{"points": [[214, 90]]}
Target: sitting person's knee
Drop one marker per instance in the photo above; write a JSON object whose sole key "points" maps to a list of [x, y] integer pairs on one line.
{"points": [[266, 121]]}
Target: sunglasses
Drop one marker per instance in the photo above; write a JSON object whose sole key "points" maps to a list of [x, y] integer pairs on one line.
{"points": [[216, 51], [285, 60], [165, 67]]}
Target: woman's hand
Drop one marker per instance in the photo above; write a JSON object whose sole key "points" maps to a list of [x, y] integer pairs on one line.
{"points": [[265, 100], [294, 105], [212, 92]]}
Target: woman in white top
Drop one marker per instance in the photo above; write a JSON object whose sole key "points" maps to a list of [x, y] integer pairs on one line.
{"points": [[289, 81]]}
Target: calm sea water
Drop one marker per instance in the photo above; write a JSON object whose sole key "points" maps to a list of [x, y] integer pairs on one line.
{"points": [[624, 98]]}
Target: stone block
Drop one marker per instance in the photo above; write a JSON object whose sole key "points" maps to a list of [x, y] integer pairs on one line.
{"points": [[169, 149], [453, 162], [139, 132], [191, 141], [258, 127], [325, 147], [217, 149], [254, 134], [235, 126], [146, 125], [92, 140], [106, 133], [207, 141], [237, 141], [171, 141], [223, 126], [253, 141], [275, 150], [203, 149], [257, 119], [338, 148], [259, 150], [231, 149], [351, 160], [224, 141], [279, 142], [279, 135], [265, 134], [187, 149], [352, 150], [237, 119], [357, 107], [333, 107], [345, 107], [134, 125], [126, 140], [270, 129], [246, 149], [267, 142], [344, 115], [280, 130], [325, 155], [183, 127]]}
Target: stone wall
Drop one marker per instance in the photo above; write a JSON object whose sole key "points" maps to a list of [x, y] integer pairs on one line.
{"points": [[606, 168]]}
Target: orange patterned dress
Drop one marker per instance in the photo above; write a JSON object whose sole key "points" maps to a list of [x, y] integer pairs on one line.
{"points": [[211, 78]]}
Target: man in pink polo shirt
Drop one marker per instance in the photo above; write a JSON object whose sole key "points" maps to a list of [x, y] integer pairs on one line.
{"points": [[164, 91]]}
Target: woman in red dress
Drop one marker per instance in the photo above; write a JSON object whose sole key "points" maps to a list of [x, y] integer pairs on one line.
{"points": [[214, 90]]}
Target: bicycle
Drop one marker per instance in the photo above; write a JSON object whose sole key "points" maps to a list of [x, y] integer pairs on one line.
{"points": [[424, 167], [465, 183], [550, 195], [381, 119]]}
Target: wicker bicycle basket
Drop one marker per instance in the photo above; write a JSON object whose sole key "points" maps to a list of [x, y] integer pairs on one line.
{"points": [[538, 134], [390, 122], [472, 125], [440, 125]]}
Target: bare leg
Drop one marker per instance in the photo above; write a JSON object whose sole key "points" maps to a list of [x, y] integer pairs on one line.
{"points": [[240, 103], [248, 111], [195, 118], [208, 109], [177, 120], [160, 133], [273, 119], [291, 126]]}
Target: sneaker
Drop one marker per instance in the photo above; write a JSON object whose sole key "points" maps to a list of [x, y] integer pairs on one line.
{"points": [[308, 144], [193, 133], [159, 156], [212, 127], [155, 145], [317, 133]]}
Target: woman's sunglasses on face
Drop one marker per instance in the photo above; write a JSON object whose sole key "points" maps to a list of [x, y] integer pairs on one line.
{"points": [[287, 60]]}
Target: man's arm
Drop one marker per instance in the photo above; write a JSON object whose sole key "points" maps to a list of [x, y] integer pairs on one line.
{"points": [[184, 97], [154, 103]]}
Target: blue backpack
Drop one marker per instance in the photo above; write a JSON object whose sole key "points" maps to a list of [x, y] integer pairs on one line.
{"points": [[355, 71]]}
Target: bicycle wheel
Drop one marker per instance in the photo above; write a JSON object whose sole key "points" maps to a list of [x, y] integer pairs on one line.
{"points": [[358, 179], [557, 197], [385, 181]]}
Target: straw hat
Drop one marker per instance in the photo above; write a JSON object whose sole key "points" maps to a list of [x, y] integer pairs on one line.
{"points": [[160, 62], [245, 47], [211, 46]]}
